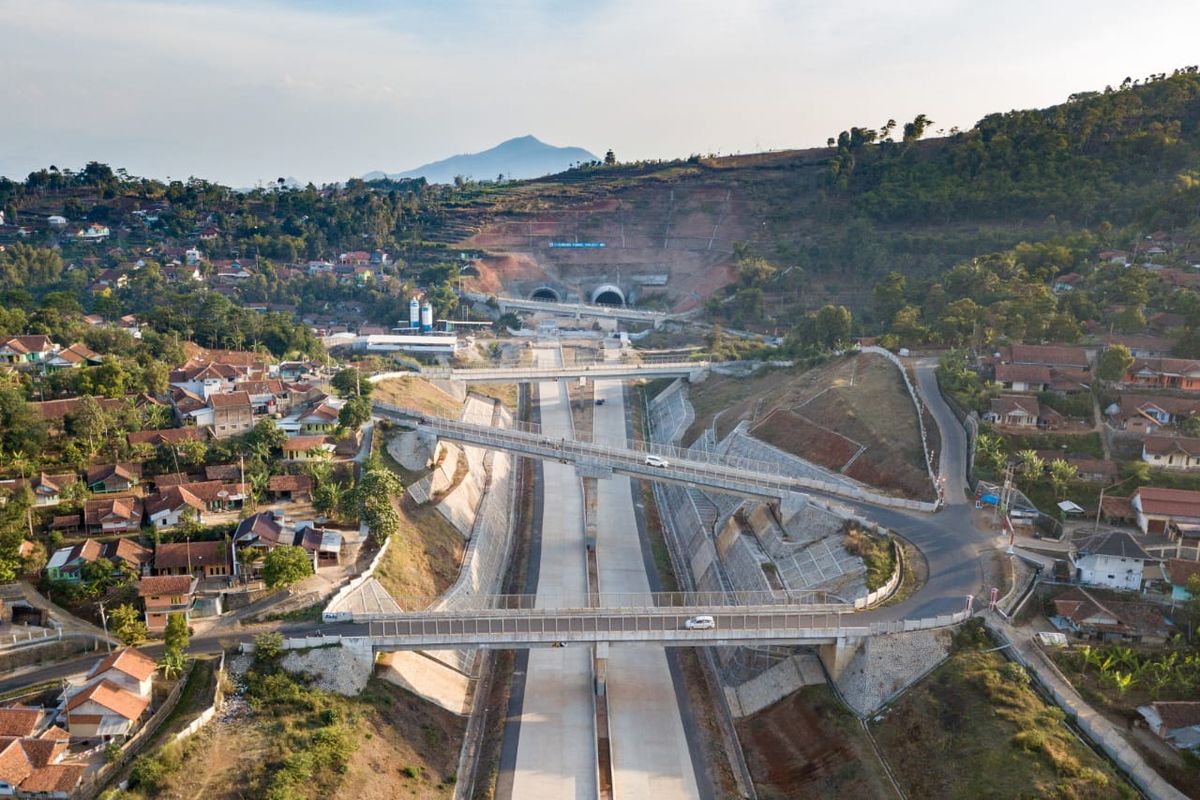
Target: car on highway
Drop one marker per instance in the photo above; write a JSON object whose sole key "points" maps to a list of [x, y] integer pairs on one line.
{"points": [[657, 461], [701, 623]]}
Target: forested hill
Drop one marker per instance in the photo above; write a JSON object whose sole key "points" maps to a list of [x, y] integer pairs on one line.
{"points": [[1107, 155]]}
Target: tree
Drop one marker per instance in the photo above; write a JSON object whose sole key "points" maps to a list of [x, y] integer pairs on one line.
{"points": [[327, 497], [375, 495], [267, 437], [833, 326], [286, 565], [349, 383], [126, 624], [1062, 474], [610, 158], [176, 637], [355, 413], [1113, 363], [1032, 465]]}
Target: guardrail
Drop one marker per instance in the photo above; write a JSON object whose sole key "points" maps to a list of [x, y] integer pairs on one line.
{"points": [[632, 601]]}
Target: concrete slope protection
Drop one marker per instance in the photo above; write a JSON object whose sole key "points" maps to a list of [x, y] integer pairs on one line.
{"points": [[556, 743], [650, 756]]}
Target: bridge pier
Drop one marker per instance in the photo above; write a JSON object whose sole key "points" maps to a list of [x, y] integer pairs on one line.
{"points": [[837, 656], [600, 668]]}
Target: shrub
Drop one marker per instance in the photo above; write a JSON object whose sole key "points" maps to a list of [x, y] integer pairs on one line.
{"points": [[1030, 741], [1015, 673], [411, 772], [268, 646]]}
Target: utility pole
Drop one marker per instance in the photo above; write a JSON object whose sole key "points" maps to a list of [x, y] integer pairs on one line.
{"points": [[104, 622]]}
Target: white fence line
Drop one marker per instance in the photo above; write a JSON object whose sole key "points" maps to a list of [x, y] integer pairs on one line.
{"points": [[918, 403], [331, 612], [885, 591]]}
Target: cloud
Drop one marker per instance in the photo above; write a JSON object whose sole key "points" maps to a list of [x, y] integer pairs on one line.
{"points": [[325, 90]]}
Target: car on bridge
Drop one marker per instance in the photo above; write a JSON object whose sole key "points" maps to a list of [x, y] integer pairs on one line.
{"points": [[657, 461], [701, 623]]}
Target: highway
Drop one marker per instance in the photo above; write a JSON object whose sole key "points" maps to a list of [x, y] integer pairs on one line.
{"points": [[650, 755], [555, 753]]}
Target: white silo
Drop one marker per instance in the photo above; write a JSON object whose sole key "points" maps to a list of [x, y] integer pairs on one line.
{"points": [[426, 318], [414, 313]]}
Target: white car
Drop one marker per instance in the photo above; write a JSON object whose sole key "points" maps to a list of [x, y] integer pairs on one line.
{"points": [[657, 461], [701, 623]]}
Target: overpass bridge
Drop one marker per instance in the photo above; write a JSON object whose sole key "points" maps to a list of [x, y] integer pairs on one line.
{"points": [[530, 374], [729, 474]]}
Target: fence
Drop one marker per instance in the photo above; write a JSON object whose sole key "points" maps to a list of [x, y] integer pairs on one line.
{"points": [[15, 641], [331, 612], [207, 715], [885, 591], [918, 403]]}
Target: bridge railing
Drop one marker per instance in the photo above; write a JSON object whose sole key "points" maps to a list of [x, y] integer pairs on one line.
{"points": [[809, 600]]}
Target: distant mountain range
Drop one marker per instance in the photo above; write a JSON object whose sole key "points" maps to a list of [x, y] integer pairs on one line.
{"points": [[520, 158]]}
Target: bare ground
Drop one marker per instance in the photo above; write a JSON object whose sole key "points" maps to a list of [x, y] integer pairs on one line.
{"points": [[808, 746]]}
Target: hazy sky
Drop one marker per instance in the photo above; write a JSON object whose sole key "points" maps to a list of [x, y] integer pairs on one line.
{"points": [[255, 89]]}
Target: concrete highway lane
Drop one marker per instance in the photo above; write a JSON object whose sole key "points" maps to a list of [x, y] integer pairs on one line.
{"points": [[650, 757], [556, 741]]}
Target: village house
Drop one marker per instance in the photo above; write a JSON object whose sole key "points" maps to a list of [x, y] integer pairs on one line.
{"points": [[1168, 511], [232, 414], [164, 595], [322, 418], [113, 698], [1046, 355], [31, 755], [168, 507], [1079, 612], [1171, 452], [1176, 722], [289, 487], [1015, 411], [47, 489], [109, 478], [1181, 374], [200, 559], [1178, 573], [1139, 413], [1114, 560], [55, 412], [1141, 345], [1023, 378], [66, 563], [73, 357], [306, 447], [166, 436], [26, 351], [112, 514], [1066, 283]]}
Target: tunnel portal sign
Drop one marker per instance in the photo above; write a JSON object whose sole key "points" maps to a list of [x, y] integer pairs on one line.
{"points": [[577, 244]]}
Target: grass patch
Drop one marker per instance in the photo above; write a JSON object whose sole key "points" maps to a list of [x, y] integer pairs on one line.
{"points": [[1078, 444], [975, 729], [306, 614], [425, 554], [506, 393], [877, 552]]}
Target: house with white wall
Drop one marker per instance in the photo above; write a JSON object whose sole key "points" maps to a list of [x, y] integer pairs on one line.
{"points": [[1114, 560]]}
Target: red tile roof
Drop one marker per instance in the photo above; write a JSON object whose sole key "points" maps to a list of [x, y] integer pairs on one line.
{"points": [[1169, 502], [19, 720], [133, 663], [110, 696], [178, 555], [158, 585]]}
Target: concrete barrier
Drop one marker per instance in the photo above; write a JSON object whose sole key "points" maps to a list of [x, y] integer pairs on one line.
{"points": [[333, 612]]}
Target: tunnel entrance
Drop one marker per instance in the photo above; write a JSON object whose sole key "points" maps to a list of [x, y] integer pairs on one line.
{"points": [[608, 295], [545, 294]]}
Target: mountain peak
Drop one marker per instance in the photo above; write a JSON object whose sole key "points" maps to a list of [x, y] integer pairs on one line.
{"points": [[518, 158]]}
